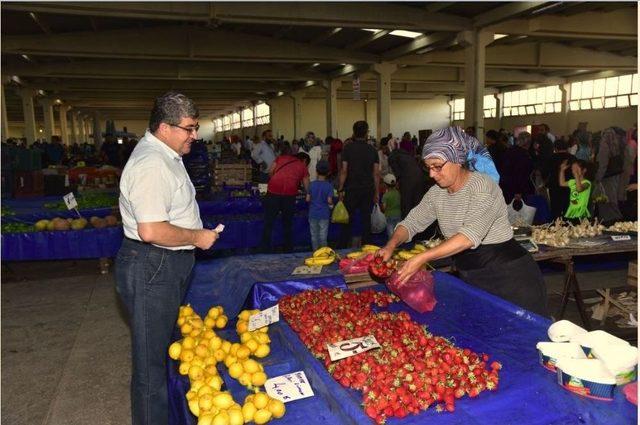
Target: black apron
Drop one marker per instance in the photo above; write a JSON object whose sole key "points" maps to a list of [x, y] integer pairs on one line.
{"points": [[506, 270]]}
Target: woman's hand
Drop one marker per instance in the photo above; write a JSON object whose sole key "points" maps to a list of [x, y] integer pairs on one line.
{"points": [[385, 252], [410, 268], [564, 166]]}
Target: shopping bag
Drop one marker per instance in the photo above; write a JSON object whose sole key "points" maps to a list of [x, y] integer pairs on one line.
{"points": [[520, 217], [340, 214], [378, 220], [418, 292]]}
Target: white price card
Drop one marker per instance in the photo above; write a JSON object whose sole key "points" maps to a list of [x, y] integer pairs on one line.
{"points": [[70, 200], [264, 318], [262, 188], [219, 228], [618, 238], [289, 387], [307, 270], [351, 347]]}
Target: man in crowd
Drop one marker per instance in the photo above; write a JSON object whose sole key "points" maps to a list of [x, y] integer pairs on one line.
{"points": [[558, 195], [162, 227], [263, 155], [359, 181]]}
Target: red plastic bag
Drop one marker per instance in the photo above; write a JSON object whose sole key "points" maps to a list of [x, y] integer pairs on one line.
{"points": [[355, 265], [418, 292], [630, 391]]}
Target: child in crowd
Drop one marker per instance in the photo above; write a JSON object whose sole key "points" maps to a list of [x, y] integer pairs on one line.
{"points": [[579, 189], [391, 203], [320, 198]]}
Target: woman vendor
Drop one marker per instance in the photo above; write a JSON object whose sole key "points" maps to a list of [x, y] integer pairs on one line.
{"points": [[471, 212]]}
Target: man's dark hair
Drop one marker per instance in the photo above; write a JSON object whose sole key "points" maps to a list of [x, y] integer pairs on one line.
{"points": [[561, 145], [360, 129], [493, 135], [171, 108], [285, 149]]}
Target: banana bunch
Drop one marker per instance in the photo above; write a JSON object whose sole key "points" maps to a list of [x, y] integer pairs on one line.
{"points": [[364, 250], [407, 254], [321, 257]]}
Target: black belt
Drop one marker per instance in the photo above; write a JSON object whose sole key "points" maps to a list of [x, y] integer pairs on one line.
{"points": [[147, 244]]}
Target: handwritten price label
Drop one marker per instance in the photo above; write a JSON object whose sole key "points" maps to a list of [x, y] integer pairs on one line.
{"points": [[307, 270], [618, 238], [351, 347], [289, 387], [264, 318], [70, 201]]}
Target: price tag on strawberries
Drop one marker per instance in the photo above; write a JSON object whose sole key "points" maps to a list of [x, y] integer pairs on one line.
{"points": [[289, 387], [381, 270], [351, 347], [264, 318]]}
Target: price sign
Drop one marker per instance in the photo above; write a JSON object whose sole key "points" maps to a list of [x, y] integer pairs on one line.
{"points": [[290, 387], [262, 188], [618, 238], [351, 347], [307, 270], [219, 228], [264, 318], [70, 201]]}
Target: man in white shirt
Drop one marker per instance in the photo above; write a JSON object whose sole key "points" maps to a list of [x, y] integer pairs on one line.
{"points": [[263, 155], [162, 227]]}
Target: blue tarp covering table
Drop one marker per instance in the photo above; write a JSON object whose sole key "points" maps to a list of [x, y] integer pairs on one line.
{"points": [[528, 394]]}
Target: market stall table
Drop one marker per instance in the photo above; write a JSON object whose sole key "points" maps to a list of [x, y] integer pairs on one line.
{"points": [[527, 393]]}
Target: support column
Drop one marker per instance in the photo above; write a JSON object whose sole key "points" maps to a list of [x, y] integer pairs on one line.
{"points": [[97, 130], [332, 106], [474, 43], [28, 114], [297, 114], [47, 109], [73, 137], [384, 71], [87, 128], [499, 98], [241, 125], [564, 112], [64, 131], [4, 134]]}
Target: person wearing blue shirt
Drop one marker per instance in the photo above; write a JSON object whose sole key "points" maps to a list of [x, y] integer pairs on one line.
{"points": [[320, 198]]}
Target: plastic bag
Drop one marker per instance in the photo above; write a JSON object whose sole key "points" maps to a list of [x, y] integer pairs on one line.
{"points": [[340, 214], [522, 217], [378, 220], [355, 265], [418, 292]]}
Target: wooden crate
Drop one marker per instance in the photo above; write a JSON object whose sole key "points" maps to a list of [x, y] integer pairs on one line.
{"points": [[632, 274], [231, 174]]}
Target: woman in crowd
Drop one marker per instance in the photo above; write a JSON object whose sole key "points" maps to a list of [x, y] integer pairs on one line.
{"points": [[472, 215], [515, 176]]}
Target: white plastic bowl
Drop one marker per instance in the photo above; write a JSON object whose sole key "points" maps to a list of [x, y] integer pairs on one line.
{"points": [[591, 339], [550, 352], [564, 330], [620, 360], [587, 378]]}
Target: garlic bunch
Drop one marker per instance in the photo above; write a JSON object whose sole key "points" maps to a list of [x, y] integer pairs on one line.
{"points": [[624, 227]]}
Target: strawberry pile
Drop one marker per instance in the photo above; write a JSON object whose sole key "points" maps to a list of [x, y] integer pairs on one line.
{"points": [[411, 372]]}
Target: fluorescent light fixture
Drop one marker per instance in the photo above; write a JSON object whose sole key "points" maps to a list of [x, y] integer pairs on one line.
{"points": [[371, 29], [404, 33], [280, 93], [315, 64], [25, 57], [499, 36], [58, 101]]}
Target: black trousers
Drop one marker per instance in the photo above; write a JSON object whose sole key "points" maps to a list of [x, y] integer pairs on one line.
{"points": [[559, 200], [273, 205], [357, 200]]}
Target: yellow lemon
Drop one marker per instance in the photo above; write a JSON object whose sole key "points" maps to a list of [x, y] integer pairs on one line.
{"points": [[188, 343], [244, 315], [243, 352], [252, 345], [197, 361], [249, 398], [248, 410], [234, 349], [229, 360], [221, 322], [196, 373], [223, 400], [213, 313], [205, 389], [195, 333], [262, 351], [258, 379], [215, 343], [209, 334], [214, 382], [263, 338], [235, 370], [197, 323], [181, 320], [210, 360], [246, 336], [211, 370], [209, 322], [219, 355], [251, 365], [205, 401], [262, 416], [205, 419], [187, 310], [202, 351], [186, 329], [226, 346], [221, 418], [194, 407], [184, 367], [276, 407], [260, 400], [174, 350], [242, 327], [235, 417], [245, 379], [191, 394]]}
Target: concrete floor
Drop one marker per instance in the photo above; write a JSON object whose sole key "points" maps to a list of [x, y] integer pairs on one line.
{"points": [[66, 348]]}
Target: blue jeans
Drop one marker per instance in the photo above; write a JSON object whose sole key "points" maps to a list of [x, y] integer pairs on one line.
{"points": [[151, 282], [391, 224], [319, 230]]}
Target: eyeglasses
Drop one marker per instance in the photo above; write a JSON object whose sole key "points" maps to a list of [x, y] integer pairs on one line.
{"points": [[187, 129], [436, 168]]}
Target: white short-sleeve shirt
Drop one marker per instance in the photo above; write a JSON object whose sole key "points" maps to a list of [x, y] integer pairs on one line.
{"points": [[155, 187]]}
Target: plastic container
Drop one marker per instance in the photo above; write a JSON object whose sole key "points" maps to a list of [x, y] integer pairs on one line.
{"points": [[550, 352], [587, 378], [620, 360], [591, 339], [564, 331]]}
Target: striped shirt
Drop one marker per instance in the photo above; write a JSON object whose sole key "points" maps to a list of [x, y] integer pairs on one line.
{"points": [[477, 211]]}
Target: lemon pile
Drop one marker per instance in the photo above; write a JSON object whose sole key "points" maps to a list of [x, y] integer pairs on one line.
{"points": [[199, 352], [321, 257]]}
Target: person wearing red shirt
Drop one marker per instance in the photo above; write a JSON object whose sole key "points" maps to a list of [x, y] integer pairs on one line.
{"points": [[334, 151], [287, 172]]}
